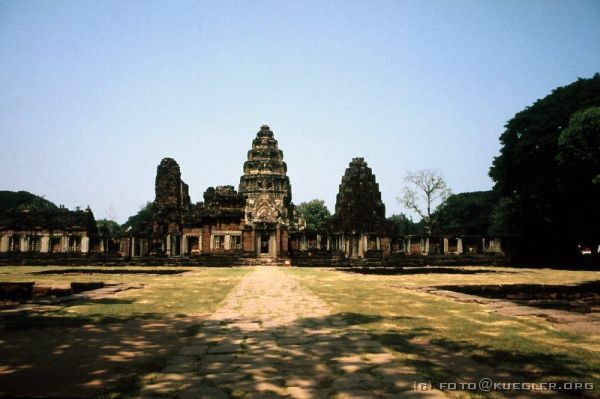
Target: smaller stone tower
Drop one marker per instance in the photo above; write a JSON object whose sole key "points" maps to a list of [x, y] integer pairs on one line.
{"points": [[171, 203], [359, 212]]}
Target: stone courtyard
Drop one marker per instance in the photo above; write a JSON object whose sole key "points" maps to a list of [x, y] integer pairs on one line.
{"points": [[273, 338], [292, 332]]}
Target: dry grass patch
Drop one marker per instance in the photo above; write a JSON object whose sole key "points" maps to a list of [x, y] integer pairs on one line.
{"points": [[104, 347], [458, 342]]}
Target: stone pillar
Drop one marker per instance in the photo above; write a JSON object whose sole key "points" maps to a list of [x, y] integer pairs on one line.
{"points": [[184, 244], [168, 249], [85, 244], [64, 243], [361, 250], [318, 241], [4, 241], [426, 246], [273, 245], [227, 243], [446, 247], [378, 243], [285, 242], [45, 244], [328, 243], [24, 244], [143, 247], [483, 248], [408, 246], [459, 247]]}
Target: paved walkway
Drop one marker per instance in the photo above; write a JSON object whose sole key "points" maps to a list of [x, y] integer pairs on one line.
{"points": [[273, 338]]}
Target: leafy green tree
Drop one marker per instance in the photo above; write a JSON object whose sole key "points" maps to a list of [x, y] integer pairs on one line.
{"points": [[465, 213], [141, 221], [427, 190], [23, 200], [404, 225], [110, 227], [315, 213], [579, 145], [537, 176]]}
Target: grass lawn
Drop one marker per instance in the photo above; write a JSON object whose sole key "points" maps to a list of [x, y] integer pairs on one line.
{"points": [[448, 341], [103, 347]]}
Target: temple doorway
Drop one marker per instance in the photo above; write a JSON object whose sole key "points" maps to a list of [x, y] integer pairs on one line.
{"points": [[266, 244]]}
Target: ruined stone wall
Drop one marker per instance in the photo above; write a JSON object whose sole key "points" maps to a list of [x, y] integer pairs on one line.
{"points": [[172, 200]]}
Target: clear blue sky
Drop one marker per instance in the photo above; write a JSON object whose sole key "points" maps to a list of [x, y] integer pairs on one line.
{"points": [[93, 94]]}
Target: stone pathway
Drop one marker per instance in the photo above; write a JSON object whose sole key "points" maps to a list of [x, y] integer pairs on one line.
{"points": [[273, 338]]}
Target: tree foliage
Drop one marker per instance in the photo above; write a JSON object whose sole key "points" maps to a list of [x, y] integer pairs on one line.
{"points": [[579, 146], [427, 190], [465, 213], [547, 195], [109, 227], [23, 200], [315, 213], [403, 225], [141, 221]]}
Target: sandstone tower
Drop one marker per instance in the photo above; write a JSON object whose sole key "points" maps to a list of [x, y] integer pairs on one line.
{"points": [[171, 203], [268, 194], [359, 212]]}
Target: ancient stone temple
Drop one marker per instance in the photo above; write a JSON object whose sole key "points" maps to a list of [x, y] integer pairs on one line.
{"points": [[359, 223], [256, 224], [253, 222], [49, 231], [268, 194]]}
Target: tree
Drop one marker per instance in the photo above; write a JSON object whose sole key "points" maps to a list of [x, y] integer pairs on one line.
{"points": [[579, 145], [542, 198], [315, 213], [23, 200], [141, 221], [430, 188], [404, 225], [465, 213], [109, 227]]}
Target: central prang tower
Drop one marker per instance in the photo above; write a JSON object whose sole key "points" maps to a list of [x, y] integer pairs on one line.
{"points": [[268, 194]]}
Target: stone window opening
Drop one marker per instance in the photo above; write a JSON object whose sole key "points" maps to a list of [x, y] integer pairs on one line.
{"points": [[335, 243], [74, 244], [235, 242], [218, 242], [55, 244], [14, 243], [34, 244], [193, 245]]}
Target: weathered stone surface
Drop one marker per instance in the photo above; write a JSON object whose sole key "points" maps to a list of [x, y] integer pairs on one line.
{"points": [[172, 199], [194, 350], [203, 393], [358, 204], [285, 357], [265, 184]]}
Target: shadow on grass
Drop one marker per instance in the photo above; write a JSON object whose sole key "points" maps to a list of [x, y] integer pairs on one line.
{"points": [[395, 270], [581, 298], [76, 356], [90, 270]]}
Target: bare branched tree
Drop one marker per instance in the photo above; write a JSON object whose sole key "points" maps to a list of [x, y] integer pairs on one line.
{"points": [[429, 191]]}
